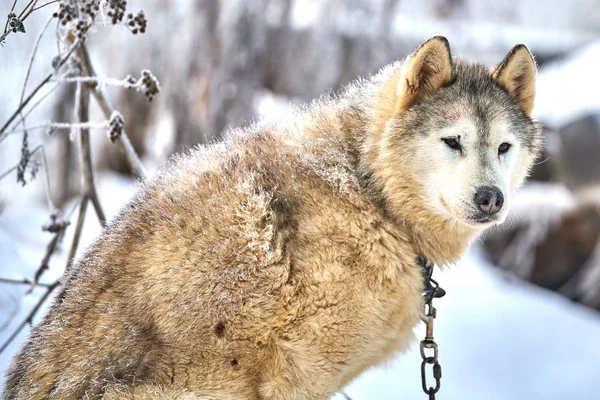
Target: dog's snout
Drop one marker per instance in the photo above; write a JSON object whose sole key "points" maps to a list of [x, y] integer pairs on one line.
{"points": [[489, 199]]}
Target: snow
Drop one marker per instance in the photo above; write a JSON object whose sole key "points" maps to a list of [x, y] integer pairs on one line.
{"points": [[305, 13], [499, 338], [541, 202], [569, 87]]}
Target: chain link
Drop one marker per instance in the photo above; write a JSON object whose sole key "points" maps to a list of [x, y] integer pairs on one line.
{"points": [[431, 290]]}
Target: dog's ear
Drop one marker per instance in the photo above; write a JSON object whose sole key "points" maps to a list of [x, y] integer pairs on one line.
{"points": [[516, 73], [427, 69]]}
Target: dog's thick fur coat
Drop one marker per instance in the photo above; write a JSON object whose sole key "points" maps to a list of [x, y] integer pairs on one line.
{"points": [[279, 264]]}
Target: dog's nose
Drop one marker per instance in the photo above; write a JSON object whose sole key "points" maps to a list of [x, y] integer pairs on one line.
{"points": [[489, 199]]}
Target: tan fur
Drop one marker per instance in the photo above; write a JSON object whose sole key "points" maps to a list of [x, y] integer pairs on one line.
{"points": [[279, 264], [427, 69], [517, 74]]}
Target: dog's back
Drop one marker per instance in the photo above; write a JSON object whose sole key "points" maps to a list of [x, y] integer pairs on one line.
{"points": [[198, 280]]}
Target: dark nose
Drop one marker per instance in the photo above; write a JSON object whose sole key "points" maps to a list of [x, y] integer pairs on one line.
{"points": [[489, 199]]}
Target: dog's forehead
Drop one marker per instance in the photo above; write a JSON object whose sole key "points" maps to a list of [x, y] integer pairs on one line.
{"points": [[478, 116], [473, 127], [470, 125], [480, 99]]}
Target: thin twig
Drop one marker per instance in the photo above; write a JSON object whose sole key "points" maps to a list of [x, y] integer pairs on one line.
{"points": [[132, 157], [33, 107], [23, 281], [50, 249], [32, 3], [78, 230], [4, 35], [12, 315], [32, 57], [7, 31], [51, 126], [20, 18], [43, 5], [6, 25], [102, 80], [47, 180], [87, 167], [6, 173], [27, 74], [29, 320], [41, 84]]}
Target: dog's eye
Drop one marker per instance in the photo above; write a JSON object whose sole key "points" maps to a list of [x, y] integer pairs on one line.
{"points": [[452, 143], [503, 148]]}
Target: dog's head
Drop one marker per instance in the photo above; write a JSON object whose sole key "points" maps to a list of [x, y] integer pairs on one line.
{"points": [[459, 136]]}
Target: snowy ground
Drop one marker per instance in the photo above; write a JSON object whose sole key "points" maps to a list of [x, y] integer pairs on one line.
{"points": [[499, 338]]}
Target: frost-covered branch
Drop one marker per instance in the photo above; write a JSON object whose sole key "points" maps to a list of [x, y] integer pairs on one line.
{"points": [[89, 180], [74, 18], [24, 103], [57, 226], [109, 112], [78, 230], [14, 23], [89, 184], [147, 83], [31, 109], [42, 6], [24, 163], [32, 58], [51, 127]]}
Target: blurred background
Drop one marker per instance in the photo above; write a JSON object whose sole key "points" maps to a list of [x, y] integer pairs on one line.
{"points": [[521, 318]]}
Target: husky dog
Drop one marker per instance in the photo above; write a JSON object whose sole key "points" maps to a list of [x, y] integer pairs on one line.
{"points": [[281, 263]]}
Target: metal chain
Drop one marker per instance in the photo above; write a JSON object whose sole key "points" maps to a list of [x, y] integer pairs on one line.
{"points": [[431, 290]]}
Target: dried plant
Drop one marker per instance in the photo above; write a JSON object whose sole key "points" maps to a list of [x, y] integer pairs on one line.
{"points": [[72, 64]]}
